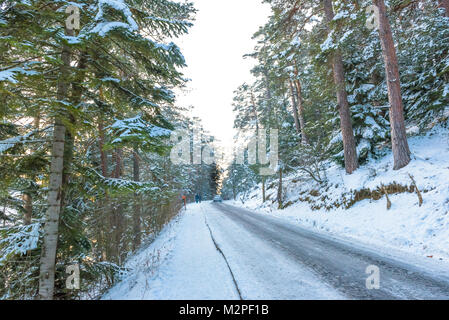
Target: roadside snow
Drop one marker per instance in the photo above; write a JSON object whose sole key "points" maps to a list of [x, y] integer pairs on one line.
{"points": [[422, 231], [262, 271], [182, 264]]}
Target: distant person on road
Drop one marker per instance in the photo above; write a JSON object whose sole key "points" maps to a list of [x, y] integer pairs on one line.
{"points": [[197, 198], [184, 198]]}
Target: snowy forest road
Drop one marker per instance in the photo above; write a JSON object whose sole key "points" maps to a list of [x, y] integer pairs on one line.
{"points": [[274, 259]]}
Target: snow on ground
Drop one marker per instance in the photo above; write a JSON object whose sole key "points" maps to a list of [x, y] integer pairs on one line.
{"points": [[422, 231], [184, 263], [181, 264], [263, 271]]}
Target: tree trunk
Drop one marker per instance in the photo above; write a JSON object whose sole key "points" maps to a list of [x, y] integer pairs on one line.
{"points": [[137, 203], [103, 157], [28, 206], [401, 151], [294, 107], [280, 204], [51, 225], [351, 163], [263, 189], [444, 4], [27, 197], [76, 97], [117, 214], [37, 119], [104, 244], [256, 117], [268, 95], [302, 122]]}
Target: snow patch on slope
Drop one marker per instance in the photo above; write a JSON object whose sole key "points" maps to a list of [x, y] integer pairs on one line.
{"points": [[422, 231]]}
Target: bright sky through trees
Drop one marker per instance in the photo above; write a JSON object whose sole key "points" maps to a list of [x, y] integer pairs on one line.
{"points": [[214, 50]]}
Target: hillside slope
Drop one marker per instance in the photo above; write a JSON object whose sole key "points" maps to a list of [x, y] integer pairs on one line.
{"points": [[355, 206]]}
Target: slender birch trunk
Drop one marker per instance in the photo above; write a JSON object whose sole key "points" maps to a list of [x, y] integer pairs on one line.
{"points": [[401, 151], [117, 214], [104, 203], [350, 153], [279, 196], [51, 224], [69, 145], [28, 206]]}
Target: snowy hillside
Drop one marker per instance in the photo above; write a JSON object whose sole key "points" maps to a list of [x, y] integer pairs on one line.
{"points": [[354, 206]]}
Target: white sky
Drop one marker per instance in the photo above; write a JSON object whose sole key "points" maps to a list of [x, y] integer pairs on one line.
{"points": [[214, 50]]}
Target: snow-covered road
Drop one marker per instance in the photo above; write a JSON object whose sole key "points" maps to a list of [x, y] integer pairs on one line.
{"points": [[218, 251], [188, 266]]}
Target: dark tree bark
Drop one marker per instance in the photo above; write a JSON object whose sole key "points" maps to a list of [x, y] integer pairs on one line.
{"points": [[256, 117], [295, 108], [350, 153], [401, 151], [263, 190], [76, 97], [302, 122], [117, 215], [279, 195], [444, 4], [103, 236], [37, 119], [137, 203], [268, 95]]}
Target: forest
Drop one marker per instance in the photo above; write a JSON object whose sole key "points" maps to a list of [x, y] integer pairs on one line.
{"points": [[343, 82], [86, 122], [88, 109]]}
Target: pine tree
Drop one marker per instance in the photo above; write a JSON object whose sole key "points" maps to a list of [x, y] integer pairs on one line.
{"points": [[108, 71], [401, 151], [351, 163]]}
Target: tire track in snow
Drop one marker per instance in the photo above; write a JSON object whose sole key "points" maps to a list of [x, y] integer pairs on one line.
{"points": [[224, 257]]}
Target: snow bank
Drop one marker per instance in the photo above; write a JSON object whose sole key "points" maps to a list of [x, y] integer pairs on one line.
{"points": [[422, 231]]}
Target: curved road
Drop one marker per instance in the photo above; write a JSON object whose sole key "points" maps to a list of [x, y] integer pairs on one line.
{"points": [[274, 259]]}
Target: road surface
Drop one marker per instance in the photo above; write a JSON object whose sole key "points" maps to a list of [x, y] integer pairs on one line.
{"points": [[270, 258]]}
